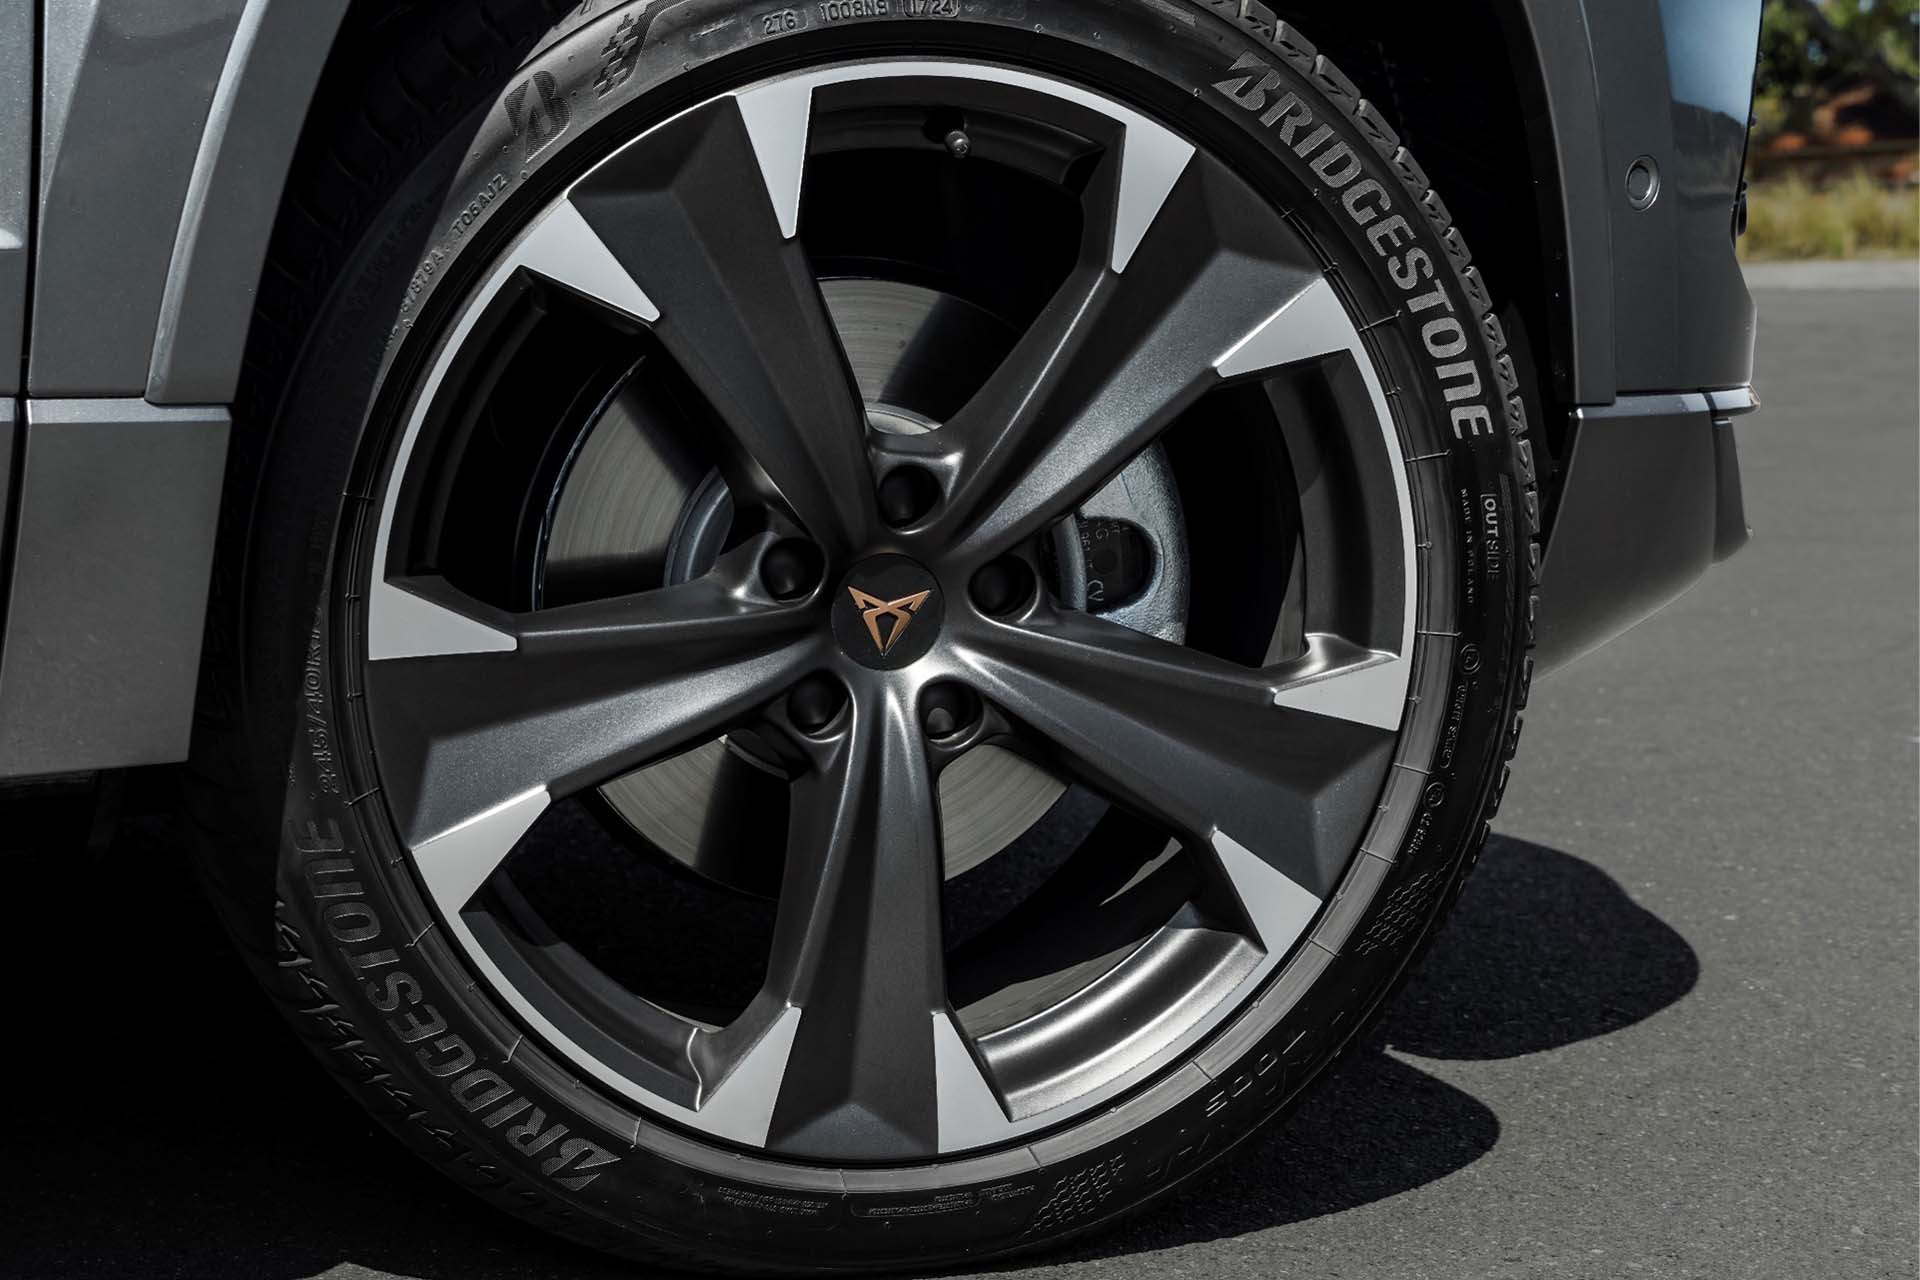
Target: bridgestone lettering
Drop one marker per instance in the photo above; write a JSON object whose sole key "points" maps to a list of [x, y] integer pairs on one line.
{"points": [[1252, 85], [352, 924]]}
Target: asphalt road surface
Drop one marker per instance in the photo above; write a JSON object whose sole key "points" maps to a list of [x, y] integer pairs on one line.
{"points": [[1670, 1032]]}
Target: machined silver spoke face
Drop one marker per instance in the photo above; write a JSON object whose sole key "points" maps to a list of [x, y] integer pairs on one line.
{"points": [[726, 514]]}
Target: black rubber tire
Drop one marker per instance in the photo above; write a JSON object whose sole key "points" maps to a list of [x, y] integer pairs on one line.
{"points": [[440, 125]]}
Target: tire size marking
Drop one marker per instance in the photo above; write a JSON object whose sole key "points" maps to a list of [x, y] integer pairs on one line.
{"points": [[1470, 547], [941, 1202], [843, 10], [318, 733], [463, 221], [1456, 724], [830, 11], [771, 1202]]}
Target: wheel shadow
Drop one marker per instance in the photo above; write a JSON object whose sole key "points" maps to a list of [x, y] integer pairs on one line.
{"points": [[1544, 950], [166, 1123]]}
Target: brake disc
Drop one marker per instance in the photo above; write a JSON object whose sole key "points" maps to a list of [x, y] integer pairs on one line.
{"points": [[634, 496]]}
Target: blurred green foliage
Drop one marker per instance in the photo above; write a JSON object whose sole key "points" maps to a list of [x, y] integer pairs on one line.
{"points": [[1795, 53], [1808, 45]]}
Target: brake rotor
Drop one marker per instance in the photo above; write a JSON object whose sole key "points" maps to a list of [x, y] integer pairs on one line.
{"points": [[635, 502]]}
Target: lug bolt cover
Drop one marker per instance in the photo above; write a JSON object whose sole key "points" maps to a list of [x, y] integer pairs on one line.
{"points": [[791, 569], [815, 702], [1002, 586], [907, 494], [947, 709]]}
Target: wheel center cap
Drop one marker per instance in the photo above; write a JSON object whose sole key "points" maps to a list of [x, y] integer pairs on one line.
{"points": [[887, 612]]}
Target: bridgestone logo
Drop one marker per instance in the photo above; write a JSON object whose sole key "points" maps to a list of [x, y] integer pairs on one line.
{"points": [[356, 930], [1254, 85]]}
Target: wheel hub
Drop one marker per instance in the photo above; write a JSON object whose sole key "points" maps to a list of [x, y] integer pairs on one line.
{"points": [[633, 494], [887, 613]]}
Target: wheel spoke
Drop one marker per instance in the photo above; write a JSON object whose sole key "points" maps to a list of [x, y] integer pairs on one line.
{"points": [[562, 249], [857, 946], [1252, 788], [1194, 742], [686, 209], [1117, 355], [469, 740]]}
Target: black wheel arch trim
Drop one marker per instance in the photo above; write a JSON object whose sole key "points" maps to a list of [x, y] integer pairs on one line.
{"points": [[1652, 500]]}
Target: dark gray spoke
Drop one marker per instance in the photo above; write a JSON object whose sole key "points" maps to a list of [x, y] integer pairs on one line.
{"points": [[858, 947], [1200, 744], [686, 211], [1115, 358], [869, 628], [580, 695]]}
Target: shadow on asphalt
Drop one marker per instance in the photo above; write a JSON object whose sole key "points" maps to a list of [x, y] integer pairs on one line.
{"points": [[163, 1122], [1543, 950]]}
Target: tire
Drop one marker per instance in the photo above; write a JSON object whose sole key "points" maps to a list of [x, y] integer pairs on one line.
{"points": [[445, 130]]}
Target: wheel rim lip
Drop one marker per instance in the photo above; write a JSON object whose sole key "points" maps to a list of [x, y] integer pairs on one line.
{"points": [[397, 638]]}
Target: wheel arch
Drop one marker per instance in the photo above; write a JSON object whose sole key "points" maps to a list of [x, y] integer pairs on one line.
{"points": [[1531, 55], [262, 71], [1499, 101], [266, 89]]}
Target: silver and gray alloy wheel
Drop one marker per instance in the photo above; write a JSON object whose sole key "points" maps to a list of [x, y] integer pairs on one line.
{"points": [[873, 604], [910, 620]]}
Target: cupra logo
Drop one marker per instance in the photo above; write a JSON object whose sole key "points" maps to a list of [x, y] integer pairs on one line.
{"points": [[874, 611]]}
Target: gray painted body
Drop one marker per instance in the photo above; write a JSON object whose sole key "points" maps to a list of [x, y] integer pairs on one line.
{"points": [[1655, 298], [118, 500], [9, 429], [165, 135], [1683, 319], [16, 186], [233, 198], [128, 85], [165, 132]]}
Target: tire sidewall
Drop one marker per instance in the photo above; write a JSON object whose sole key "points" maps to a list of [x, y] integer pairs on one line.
{"points": [[360, 953]]}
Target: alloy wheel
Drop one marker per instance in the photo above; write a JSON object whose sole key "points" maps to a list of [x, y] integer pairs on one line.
{"points": [[891, 508]]}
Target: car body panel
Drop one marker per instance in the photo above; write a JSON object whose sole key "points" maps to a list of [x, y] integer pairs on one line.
{"points": [[1652, 501], [17, 90], [1676, 84], [118, 505], [1578, 217], [126, 90], [165, 133], [233, 197]]}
